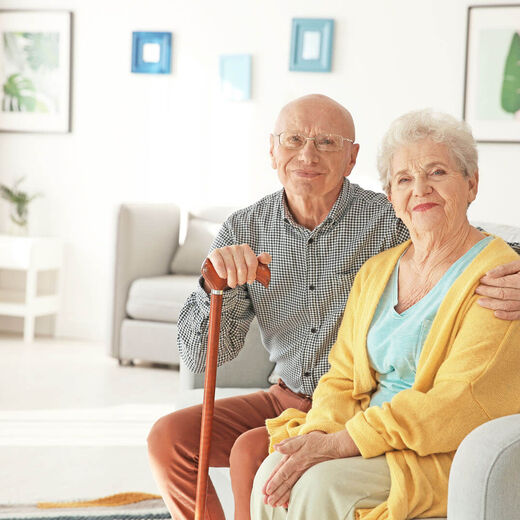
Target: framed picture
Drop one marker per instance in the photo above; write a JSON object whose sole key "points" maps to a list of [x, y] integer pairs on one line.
{"points": [[235, 76], [35, 71], [151, 52], [311, 44], [492, 79]]}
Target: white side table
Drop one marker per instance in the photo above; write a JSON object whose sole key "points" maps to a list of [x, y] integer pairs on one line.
{"points": [[29, 254]]}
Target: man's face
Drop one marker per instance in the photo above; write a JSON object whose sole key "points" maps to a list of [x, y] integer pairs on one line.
{"points": [[308, 172]]}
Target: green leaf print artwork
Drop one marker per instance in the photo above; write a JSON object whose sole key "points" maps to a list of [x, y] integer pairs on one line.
{"points": [[511, 84], [31, 64], [18, 95], [42, 50]]}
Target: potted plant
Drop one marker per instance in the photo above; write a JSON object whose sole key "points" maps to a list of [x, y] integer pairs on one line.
{"points": [[19, 206]]}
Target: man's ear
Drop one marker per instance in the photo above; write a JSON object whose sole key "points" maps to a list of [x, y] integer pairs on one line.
{"points": [[271, 152], [352, 162], [473, 187]]}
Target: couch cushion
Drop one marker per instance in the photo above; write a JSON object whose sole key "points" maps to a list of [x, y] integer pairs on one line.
{"points": [[159, 298], [151, 341], [508, 233], [189, 256]]}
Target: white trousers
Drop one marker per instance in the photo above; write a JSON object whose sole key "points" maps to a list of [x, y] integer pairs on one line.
{"points": [[333, 489]]}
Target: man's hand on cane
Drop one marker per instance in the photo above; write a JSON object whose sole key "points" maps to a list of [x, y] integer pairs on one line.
{"points": [[237, 264]]}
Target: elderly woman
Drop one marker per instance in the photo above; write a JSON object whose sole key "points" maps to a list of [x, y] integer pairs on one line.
{"points": [[418, 363]]}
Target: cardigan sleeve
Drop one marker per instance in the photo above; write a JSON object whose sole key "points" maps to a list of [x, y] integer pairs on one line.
{"points": [[477, 381], [335, 399], [333, 402]]}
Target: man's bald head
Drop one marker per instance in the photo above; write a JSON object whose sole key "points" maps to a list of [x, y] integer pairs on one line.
{"points": [[306, 172], [329, 115]]}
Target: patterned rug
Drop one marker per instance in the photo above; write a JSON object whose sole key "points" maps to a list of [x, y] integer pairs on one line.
{"points": [[123, 506]]}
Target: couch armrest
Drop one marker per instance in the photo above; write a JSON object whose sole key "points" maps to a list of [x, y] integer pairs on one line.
{"points": [[147, 237], [484, 483], [250, 369]]}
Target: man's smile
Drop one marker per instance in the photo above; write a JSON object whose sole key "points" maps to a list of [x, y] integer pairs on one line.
{"points": [[307, 173]]}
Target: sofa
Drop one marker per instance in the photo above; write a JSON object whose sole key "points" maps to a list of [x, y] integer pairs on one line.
{"points": [[159, 252], [158, 256]]}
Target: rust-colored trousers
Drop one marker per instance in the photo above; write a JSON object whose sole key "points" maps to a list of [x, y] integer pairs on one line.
{"points": [[239, 441]]}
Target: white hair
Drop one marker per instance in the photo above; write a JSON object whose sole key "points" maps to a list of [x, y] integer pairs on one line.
{"points": [[427, 124]]}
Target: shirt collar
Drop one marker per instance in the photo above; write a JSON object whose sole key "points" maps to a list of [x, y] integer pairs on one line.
{"points": [[336, 212], [342, 202]]}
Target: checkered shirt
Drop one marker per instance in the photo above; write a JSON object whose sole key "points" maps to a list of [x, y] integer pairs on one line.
{"points": [[312, 272]]}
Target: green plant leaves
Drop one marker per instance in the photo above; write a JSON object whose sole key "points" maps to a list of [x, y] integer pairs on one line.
{"points": [[20, 199]]}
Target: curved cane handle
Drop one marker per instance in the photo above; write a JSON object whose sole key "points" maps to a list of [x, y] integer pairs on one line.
{"points": [[263, 275]]}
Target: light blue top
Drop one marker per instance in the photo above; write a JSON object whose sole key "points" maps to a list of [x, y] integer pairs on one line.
{"points": [[395, 341]]}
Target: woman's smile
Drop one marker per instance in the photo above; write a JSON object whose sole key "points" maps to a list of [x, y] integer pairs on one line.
{"points": [[425, 207]]}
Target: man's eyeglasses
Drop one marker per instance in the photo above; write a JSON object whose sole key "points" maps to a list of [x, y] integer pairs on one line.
{"points": [[323, 142]]}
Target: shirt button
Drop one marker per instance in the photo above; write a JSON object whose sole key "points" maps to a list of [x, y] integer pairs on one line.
{"points": [[311, 287], [310, 241], [313, 330], [307, 374]]}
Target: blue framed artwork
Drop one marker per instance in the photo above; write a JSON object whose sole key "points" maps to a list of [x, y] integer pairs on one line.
{"points": [[311, 44], [151, 52], [235, 76]]}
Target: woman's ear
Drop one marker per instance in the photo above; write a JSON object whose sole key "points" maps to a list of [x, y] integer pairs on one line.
{"points": [[473, 186]]}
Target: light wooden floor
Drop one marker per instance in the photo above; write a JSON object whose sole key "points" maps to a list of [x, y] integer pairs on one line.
{"points": [[65, 378], [56, 373]]}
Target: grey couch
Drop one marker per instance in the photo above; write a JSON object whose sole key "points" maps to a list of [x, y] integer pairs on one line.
{"points": [[485, 478], [154, 274]]}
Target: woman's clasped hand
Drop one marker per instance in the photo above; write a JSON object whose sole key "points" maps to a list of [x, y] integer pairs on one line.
{"points": [[301, 453]]}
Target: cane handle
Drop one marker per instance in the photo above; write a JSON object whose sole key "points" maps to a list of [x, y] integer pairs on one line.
{"points": [[214, 282]]}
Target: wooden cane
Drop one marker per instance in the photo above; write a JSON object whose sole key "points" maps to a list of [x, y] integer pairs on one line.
{"points": [[217, 286]]}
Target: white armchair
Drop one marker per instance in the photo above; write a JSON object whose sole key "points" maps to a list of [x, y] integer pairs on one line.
{"points": [[485, 475]]}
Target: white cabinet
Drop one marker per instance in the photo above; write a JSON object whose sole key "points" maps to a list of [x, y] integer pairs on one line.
{"points": [[29, 254]]}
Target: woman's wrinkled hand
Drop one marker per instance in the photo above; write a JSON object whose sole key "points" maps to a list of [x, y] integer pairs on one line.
{"points": [[501, 290], [301, 453]]}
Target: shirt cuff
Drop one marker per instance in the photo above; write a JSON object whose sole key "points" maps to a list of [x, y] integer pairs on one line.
{"points": [[203, 298], [369, 442]]}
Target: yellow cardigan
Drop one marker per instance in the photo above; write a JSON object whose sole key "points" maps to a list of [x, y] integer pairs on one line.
{"points": [[468, 373]]}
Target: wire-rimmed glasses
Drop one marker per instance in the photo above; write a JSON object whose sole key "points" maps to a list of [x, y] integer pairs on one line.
{"points": [[323, 142]]}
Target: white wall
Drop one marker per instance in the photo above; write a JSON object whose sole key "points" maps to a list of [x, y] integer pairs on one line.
{"points": [[133, 135]]}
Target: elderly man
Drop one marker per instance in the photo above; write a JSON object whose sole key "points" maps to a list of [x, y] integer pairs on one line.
{"points": [[319, 229]]}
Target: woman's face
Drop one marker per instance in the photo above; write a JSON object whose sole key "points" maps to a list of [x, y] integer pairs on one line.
{"points": [[427, 190]]}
